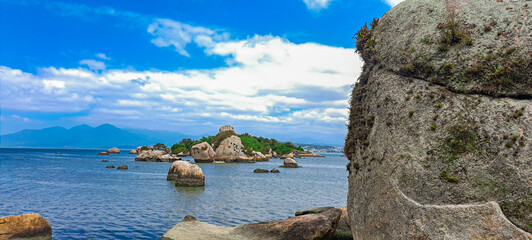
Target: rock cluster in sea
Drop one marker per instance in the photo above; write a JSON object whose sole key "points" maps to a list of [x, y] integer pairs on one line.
{"points": [[440, 124]]}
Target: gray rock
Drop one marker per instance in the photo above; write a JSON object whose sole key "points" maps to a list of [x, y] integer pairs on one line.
{"points": [[156, 156], [230, 149], [203, 153], [289, 163], [344, 226], [429, 159], [311, 226], [260, 170], [186, 174], [313, 210], [122, 167], [26, 226], [225, 128]]}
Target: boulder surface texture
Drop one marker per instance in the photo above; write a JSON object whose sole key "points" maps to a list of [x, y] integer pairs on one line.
{"points": [[156, 156], [202, 152], [186, 174], [230, 149], [26, 226], [305, 227], [440, 126]]}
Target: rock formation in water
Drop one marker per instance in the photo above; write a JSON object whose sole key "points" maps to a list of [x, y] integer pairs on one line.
{"points": [[156, 156], [122, 167], [306, 227], [289, 163], [113, 151], [202, 153], [186, 174], [25, 226], [440, 127], [229, 149]]}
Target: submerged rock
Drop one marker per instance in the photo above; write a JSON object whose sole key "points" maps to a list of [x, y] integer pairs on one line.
{"points": [[310, 226], [439, 133], [122, 167], [156, 156], [103, 160], [113, 151], [275, 170], [103, 153], [110, 166], [203, 153], [26, 226], [289, 163], [186, 174], [260, 170]]}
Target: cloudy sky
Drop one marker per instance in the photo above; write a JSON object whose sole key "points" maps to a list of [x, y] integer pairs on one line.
{"points": [[274, 68]]}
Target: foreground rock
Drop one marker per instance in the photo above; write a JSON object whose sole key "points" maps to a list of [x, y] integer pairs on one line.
{"points": [[156, 156], [202, 153], [289, 163], [311, 226], [312, 211], [186, 174], [344, 226], [27, 226], [439, 134], [122, 167], [113, 151]]}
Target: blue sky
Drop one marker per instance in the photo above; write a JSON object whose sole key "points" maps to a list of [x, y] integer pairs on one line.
{"points": [[279, 69]]}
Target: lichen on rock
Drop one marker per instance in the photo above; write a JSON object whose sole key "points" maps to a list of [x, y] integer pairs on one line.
{"points": [[436, 125]]}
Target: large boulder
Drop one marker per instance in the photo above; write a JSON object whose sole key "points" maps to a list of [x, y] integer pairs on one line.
{"points": [[287, 155], [230, 149], [202, 152], [225, 128], [186, 174], [156, 156], [26, 226], [440, 124], [310, 226], [259, 157], [289, 163], [306, 227], [113, 151]]}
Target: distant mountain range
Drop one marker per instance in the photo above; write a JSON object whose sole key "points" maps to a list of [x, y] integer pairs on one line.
{"points": [[103, 136], [85, 136]]}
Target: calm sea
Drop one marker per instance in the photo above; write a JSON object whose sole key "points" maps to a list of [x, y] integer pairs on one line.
{"points": [[83, 199]]}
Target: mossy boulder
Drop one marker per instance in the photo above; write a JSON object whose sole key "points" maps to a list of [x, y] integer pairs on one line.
{"points": [[438, 148]]}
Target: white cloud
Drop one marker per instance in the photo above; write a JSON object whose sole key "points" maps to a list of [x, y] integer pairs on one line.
{"points": [[93, 64], [168, 32], [102, 56], [271, 82], [393, 3], [317, 4]]}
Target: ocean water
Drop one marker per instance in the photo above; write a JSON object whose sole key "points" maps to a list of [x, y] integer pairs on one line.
{"points": [[83, 199]]}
